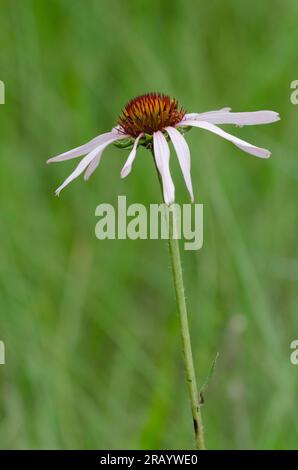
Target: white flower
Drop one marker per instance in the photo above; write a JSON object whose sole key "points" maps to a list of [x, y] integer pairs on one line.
{"points": [[152, 120]]}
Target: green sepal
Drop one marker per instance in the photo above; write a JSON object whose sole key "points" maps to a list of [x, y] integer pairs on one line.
{"points": [[146, 140], [184, 129], [124, 143]]}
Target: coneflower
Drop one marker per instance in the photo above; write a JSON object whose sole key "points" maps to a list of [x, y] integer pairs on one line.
{"points": [[152, 120]]}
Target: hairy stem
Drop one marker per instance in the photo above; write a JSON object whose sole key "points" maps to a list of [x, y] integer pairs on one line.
{"points": [[184, 327], [185, 334]]}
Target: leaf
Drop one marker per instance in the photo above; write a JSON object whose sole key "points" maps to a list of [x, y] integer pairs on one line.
{"points": [[205, 385]]}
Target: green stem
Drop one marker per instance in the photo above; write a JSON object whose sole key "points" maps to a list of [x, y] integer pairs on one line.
{"points": [[185, 335], [184, 327]]}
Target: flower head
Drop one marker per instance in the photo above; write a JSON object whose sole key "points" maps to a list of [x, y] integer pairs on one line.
{"points": [[153, 120], [150, 113]]}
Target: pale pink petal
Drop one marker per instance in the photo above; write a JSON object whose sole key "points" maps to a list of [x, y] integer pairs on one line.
{"points": [[128, 164], [183, 155], [86, 161], [86, 148], [249, 148], [162, 159], [195, 115], [92, 166], [240, 119]]}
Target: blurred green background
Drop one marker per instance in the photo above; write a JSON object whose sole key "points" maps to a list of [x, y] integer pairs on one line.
{"points": [[92, 342]]}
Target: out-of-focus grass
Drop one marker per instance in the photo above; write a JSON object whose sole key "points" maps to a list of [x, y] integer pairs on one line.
{"points": [[92, 346]]}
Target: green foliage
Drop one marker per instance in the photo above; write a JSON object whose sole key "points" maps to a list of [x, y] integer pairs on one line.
{"points": [[90, 328]]}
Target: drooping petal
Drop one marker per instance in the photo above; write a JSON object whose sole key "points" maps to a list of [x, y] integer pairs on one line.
{"points": [[162, 159], [128, 164], [86, 161], [240, 119], [85, 148], [249, 148], [195, 115], [92, 166], [95, 162], [183, 155]]}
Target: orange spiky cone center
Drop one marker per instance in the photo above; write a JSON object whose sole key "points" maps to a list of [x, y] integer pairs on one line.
{"points": [[150, 113]]}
